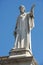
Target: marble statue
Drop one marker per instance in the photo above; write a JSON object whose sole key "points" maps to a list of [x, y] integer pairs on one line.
{"points": [[24, 25]]}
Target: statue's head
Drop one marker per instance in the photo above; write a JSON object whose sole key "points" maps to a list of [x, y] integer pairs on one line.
{"points": [[22, 9]]}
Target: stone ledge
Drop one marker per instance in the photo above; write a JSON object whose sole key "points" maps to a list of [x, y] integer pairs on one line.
{"points": [[20, 52]]}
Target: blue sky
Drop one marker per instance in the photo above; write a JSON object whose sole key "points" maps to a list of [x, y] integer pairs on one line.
{"points": [[8, 14]]}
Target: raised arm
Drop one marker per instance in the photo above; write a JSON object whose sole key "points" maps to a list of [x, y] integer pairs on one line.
{"points": [[32, 11]]}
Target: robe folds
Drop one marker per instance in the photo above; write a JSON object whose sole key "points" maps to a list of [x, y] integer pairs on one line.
{"points": [[23, 29]]}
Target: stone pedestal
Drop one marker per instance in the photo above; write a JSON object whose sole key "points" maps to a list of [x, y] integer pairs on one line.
{"points": [[19, 52], [20, 56]]}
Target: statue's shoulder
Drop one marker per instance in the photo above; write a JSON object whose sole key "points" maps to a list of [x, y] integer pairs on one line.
{"points": [[28, 13]]}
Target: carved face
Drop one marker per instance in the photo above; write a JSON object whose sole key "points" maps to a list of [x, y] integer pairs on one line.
{"points": [[22, 9]]}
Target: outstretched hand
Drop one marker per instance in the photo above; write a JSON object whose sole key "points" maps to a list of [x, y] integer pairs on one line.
{"points": [[32, 11], [32, 8]]}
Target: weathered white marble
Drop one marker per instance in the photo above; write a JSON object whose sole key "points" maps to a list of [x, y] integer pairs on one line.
{"points": [[24, 25]]}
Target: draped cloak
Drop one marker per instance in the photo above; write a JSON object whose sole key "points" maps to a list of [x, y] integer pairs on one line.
{"points": [[24, 26]]}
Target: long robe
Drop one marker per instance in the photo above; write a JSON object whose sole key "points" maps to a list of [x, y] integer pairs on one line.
{"points": [[24, 26]]}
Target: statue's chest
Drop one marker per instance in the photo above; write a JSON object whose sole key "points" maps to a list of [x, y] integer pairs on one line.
{"points": [[23, 18], [23, 22]]}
